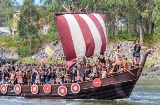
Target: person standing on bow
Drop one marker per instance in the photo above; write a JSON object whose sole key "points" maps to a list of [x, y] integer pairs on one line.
{"points": [[136, 53]]}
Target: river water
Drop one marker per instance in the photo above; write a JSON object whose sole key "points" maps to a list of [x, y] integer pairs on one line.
{"points": [[145, 93]]}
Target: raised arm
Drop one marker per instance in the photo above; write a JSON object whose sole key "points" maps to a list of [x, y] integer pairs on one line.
{"points": [[87, 7], [67, 10]]}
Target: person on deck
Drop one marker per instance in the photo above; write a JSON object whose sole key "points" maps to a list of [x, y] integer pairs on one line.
{"points": [[82, 9], [59, 76], [104, 73], [101, 58], [80, 73], [20, 76], [117, 59], [53, 77], [68, 75], [42, 76], [28, 76], [94, 73], [33, 77], [5, 74], [73, 74], [12, 77], [70, 9], [37, 80]]}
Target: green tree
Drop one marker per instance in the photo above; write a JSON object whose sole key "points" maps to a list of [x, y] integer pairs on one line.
{"points": [[156, 16], [6, 12], [51, 7], [136, 15], [28, 23]]}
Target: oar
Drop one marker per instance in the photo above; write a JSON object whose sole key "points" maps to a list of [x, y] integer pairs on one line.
{"points": [[130, 72]]}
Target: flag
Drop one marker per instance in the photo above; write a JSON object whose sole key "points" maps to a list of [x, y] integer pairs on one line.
{"points": [[49, 51]]}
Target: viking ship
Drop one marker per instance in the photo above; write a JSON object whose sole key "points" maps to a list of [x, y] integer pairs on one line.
{"points": [[82, 34]]}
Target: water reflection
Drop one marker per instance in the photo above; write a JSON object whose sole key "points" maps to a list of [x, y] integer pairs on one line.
{"points": [[24, 101]]}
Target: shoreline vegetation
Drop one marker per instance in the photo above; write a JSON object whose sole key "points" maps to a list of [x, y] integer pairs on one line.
{"points": [[21, 46]]}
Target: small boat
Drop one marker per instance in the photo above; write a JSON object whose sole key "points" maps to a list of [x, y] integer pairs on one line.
{"points": [[82, 34]]}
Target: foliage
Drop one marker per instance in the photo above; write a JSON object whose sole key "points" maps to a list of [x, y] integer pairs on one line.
{"points": [[122, 37], [6, 12], [156, 16], [28, 22], [18, 44], [23, 51], [36, 62], [150, 63]]}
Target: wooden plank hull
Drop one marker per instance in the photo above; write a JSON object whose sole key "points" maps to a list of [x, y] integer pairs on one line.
{"points": [[117, 86]]}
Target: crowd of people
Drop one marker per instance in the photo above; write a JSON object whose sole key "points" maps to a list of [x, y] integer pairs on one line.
{"points": [[57, 73]]}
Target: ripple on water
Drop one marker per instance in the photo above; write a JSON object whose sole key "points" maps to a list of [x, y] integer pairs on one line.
{"points": [[146, 94]]}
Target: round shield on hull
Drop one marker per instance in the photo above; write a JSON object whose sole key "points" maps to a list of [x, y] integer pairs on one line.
{"points": [[97, 82], [17, 88], [34, 89], [3, 89], [47, 88], [62, 90], [75, 88]]}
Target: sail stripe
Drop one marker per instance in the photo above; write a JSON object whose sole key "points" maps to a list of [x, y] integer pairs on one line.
{"points": [[66, 40], [95, 33], [77, 36], [88, 38], [102, 22], [104, 25], [100, 29]]}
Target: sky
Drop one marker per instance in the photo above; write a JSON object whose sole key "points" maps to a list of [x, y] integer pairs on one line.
{"points": [[21, 1]]}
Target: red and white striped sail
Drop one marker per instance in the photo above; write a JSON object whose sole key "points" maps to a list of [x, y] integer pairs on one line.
{"points": [[81, 35]]}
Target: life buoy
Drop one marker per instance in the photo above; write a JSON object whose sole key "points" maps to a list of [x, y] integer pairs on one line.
{"points": [[62, 90], [17, 88], [75, 88], [47, 88], [4, 89], [34, 89], [97, 82]]}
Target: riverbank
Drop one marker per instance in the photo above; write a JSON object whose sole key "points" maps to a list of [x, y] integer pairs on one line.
{"points": [[151, 73]]}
